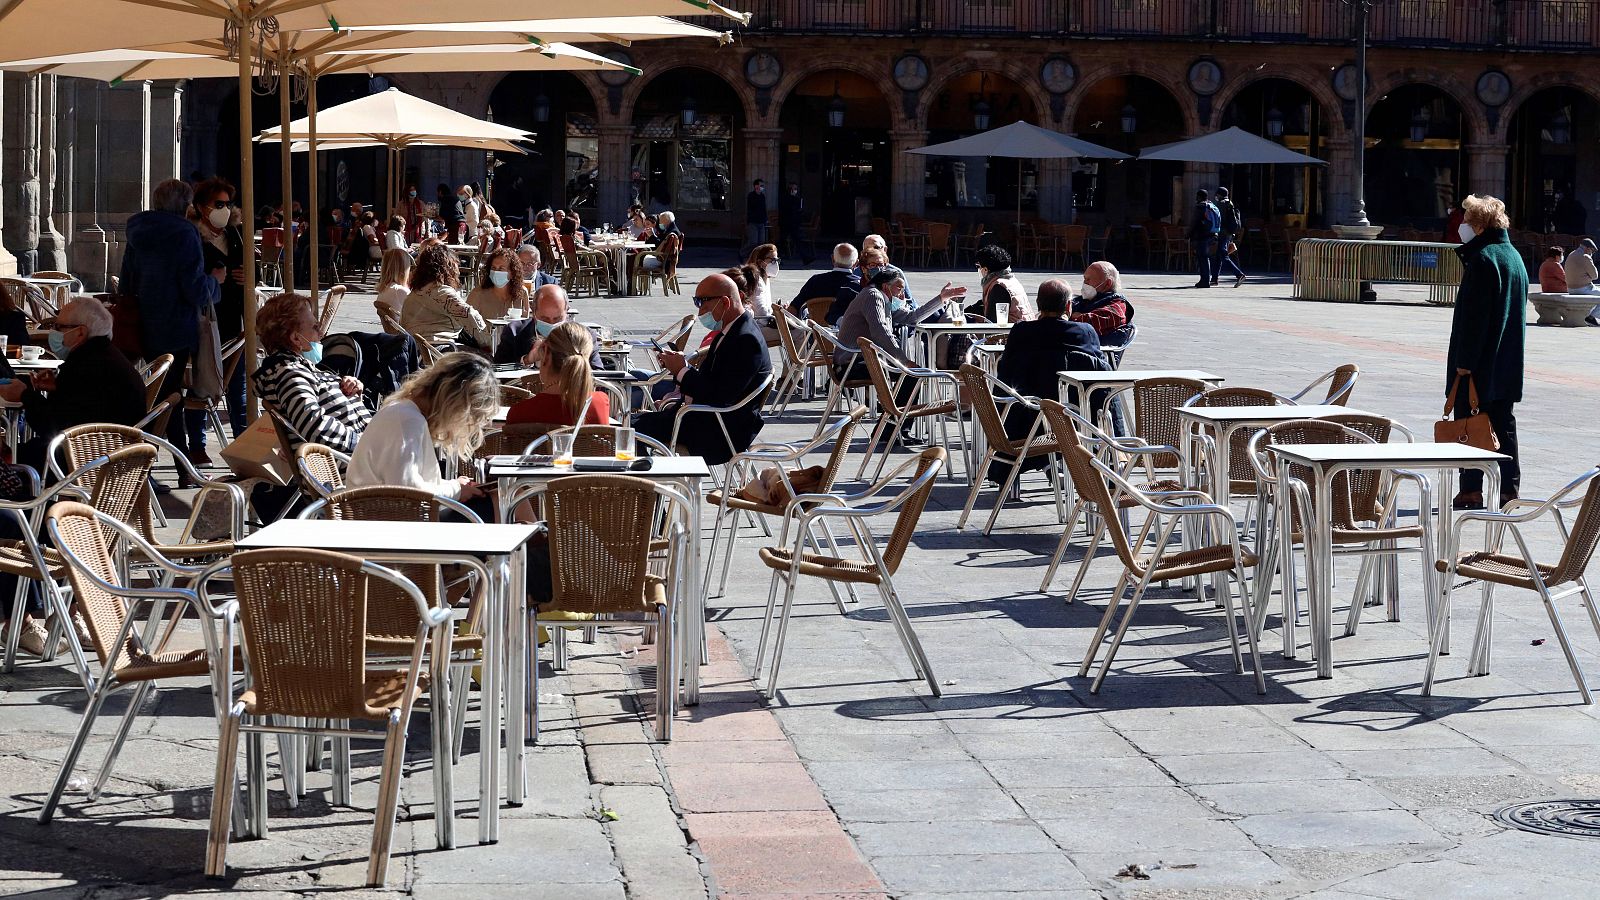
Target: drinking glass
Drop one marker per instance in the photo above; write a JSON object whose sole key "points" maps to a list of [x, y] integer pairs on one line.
{"points": [[561, 445], [1002, 312], [4, 344], [625, 444]]}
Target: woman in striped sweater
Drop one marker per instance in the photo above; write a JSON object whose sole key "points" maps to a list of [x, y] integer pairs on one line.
{"points": [[318, 406]]}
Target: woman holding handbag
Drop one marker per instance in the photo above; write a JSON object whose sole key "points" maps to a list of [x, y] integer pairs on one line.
{"points": [[1486, 339], [222, 241]]}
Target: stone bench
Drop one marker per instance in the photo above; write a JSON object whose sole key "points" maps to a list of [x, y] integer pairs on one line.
{"points": [[1566, 310]]}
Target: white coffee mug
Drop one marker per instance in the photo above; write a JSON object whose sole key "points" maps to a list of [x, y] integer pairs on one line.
{"points": [[514, 313]]}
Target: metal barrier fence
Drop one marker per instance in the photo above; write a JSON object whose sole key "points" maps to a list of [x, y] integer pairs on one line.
{"points": [[1333, 269]]}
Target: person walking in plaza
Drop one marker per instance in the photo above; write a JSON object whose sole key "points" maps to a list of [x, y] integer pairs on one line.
{"points": [[1205, 224], [1580, 274], [725, 373], [223, 244], [1486, 338], [1232, 224], [163, 268], [791, 216], [755, 215]]}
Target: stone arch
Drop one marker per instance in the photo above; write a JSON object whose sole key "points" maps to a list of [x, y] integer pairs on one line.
{"points": [[1477, 130], [1161, 75], [874, 69], [1023, 74], [1313, 79], [1522, 93], [717, 68]]}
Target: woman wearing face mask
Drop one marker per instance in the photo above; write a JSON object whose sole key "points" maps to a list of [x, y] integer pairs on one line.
{"points": [[222, 242], [1000, 286], [1486, 338], [410, 215], [566, 381], [763, 267], [503, 289], [318, 406]]}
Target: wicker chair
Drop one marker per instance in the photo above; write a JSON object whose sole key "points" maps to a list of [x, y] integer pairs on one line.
{"points": [[330, 306], [305, 617], [875, 567], [1097, 483], [601, 529], [1175, 244], [1235, 469], [321, 469], [744, 467], [81, 444], [939, 243], [390, 318], [511, 395], [1155, 416], [669, 250], [840, 378], [153, 378], [755, 399], [232, 353], [893, 417], [800, 356], [1552, 582], [972, 241], [1341, 382], [1364, 516], [1002, 447], [112, 611]]}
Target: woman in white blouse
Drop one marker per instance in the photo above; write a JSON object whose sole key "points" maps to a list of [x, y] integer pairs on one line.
{"points": [[395, 237], [443, 410], [763, 264]]}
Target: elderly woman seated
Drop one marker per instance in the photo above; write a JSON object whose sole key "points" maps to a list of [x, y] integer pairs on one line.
{"points": [[317, 406], [95, 383]]}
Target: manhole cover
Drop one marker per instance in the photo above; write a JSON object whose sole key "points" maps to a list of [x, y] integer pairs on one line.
{"points": [[1568, 818]]}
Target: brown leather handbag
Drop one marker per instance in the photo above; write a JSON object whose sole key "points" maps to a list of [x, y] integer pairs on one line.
{"points": [[1474, 430]]}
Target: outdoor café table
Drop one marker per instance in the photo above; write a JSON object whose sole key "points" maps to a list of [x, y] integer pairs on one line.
{"points": [[930, 333], [12, 412], [1328, 460], [1090, 383], [517, 481], [1223, 422], [617, 253], [496, 552], [56, 288]]}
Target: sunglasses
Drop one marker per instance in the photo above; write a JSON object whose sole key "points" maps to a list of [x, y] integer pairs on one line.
{"points": [[700, 301]]}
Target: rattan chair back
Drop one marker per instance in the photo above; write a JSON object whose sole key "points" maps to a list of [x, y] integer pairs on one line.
{"points": [[975, 383], [321, 463], [817, 309], [1155, 413], [786, 338], [127, 498], [905, 524], [1581, 540], [510, 394], [1241, 476], [390, 613], [512, 440], [154, 378], [304, 618], [600, 529], [841, 449], [87, 550], [871, 355], [1355, 493], [1342, 385]]}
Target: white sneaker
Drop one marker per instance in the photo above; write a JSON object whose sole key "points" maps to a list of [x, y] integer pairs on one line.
{"points": [[35, 637]]}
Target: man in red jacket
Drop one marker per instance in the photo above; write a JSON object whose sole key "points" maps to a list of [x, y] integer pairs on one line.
{"points": [[1100, 302]]}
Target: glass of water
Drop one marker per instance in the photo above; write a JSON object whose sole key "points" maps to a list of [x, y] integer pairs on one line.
{"points": [[561, 448], [625, 444]]}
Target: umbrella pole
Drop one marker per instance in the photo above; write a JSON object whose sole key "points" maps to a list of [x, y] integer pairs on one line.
{"points": [[287, 162], [311, 166], [1019, 199], [247, 196]]}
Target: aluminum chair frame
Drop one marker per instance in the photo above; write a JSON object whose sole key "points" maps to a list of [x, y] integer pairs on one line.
{"points": [[893, 417], [430, 620], [807, 510], [311, 479], [1338, 394], [1009, 397], [828, 342], [109, 682], [754, 397], [799, 358], [1500, 523]]}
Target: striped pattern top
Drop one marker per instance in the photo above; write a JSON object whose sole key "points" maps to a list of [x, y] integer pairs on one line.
{"points": [[310, 401]]}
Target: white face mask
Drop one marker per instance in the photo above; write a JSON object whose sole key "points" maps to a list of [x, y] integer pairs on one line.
{"points": [[772, 269], [219, 217], [1088, 291], [499, 277], [1466, 232]]}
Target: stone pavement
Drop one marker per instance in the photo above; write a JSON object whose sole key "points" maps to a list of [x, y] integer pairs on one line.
{"points": [[1018, 782]]}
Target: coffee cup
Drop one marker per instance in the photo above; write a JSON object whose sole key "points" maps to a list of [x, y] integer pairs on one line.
{"points": [[32, 353]]}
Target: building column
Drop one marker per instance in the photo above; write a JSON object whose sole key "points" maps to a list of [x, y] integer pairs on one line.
{"points": [[616, 155], [1486, 171], [1341, 199], [124, 173], [166, 131], [762, 147], [1055, 191], [908, 172], [21, 164], [8, 263], [52, 244], [90, 251]]}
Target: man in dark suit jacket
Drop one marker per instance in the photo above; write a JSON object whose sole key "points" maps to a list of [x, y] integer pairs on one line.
{"points": [[1036, 351], [731, 367], [518, 335], [841, 283], [95, 383]]}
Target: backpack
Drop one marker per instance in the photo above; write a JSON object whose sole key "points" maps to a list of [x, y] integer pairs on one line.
{"points": [[1213, 218], [1230, 217]]}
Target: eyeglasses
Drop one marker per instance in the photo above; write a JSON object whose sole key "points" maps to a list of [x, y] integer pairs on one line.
{"points": [[221, 204], [700, 301]]}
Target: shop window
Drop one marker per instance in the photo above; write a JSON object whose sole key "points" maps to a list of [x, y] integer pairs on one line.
{"points": [[583, 162], [684, 167]]}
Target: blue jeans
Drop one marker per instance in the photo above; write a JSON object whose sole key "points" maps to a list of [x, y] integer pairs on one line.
{"points": [[1223, 259], [1203, 248]]}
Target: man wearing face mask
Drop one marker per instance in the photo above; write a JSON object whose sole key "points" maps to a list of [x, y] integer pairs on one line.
{"points": [[519, 336], [1100, 303], [95, 383], [317, 405], [725, 373]]}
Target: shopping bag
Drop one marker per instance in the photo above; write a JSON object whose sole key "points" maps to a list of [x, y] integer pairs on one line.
{"points": [[258, 453], [205, 378]]}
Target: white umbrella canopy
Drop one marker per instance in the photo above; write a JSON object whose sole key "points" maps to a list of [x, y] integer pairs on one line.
{"points": [[1022, 141], [392, 116], [1230, 146], [35, 28], [410, 143], [582, 30]]}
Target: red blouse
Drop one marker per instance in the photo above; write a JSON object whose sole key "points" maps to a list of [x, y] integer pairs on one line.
{"points": [[550, 409]]}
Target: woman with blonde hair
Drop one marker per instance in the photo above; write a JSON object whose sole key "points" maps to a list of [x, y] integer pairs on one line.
{"points": [[444, 409], [1486, 338], [566, 382], [393, 276]]}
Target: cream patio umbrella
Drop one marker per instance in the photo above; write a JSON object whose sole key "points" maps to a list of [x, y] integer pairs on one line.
{"points": [[30, 29]]}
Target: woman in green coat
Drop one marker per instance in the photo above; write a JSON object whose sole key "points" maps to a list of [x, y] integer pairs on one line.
{"points": [[1486, 336]]}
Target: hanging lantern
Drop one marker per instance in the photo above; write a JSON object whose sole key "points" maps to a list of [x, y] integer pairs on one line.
{"points": [[541, 108], [1274, 123], [689, 111], [836, 109], [1130, 119]]}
